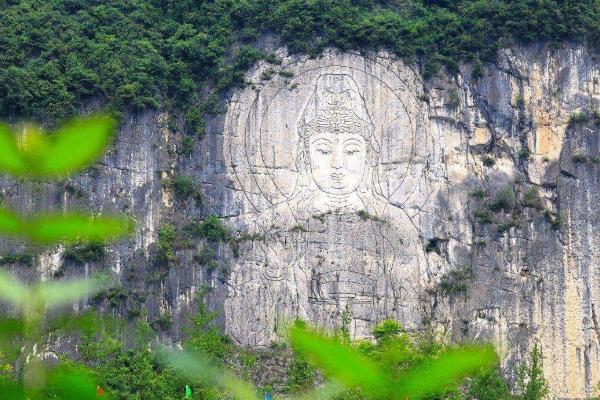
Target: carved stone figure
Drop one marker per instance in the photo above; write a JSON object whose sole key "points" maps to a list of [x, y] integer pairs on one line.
{"points": [[335, 244]]}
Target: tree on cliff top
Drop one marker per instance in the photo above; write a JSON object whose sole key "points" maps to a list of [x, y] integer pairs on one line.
{"points": [[57, 54]]}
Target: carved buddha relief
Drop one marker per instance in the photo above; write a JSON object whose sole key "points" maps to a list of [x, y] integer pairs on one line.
{"points": [[335, 244]]}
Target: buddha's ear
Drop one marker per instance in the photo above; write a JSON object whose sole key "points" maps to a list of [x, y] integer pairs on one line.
{"points": [[368, 174], [376, 175], [301, 160], [303, 169]]}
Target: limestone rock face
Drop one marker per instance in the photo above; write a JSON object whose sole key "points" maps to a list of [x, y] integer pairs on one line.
{"points": [[454, 203], [357, 190]]}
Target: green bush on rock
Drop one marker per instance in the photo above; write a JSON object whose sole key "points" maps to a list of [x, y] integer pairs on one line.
{"points": [[84, 252], [211, 228], [23, 258]]}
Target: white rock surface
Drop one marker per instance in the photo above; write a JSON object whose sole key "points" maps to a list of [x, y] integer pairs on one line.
{"points": [[344, 172]]}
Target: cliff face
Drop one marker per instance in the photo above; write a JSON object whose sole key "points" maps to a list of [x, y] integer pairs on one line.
{"points": [[358, 191]]}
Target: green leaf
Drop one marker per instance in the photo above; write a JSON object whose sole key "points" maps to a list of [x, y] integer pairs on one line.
{"points": [[445, 371], [88, 322], [34, 145], [338, 361], [10, 223], [77, 144], [57, 293], [68, 382], [343, 364], [75, 227], [12, 290], [196, 367], [10, 157], [10, 390], [11, 327], [51, 228], [326, 392]]}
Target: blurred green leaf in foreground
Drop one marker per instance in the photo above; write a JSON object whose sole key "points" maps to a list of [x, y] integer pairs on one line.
{"points": [[377, 378], [33, 154], [51, 228], [346, 368]]}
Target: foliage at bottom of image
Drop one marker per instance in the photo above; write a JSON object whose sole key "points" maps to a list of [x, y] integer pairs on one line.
{"points": [[396, 365]]}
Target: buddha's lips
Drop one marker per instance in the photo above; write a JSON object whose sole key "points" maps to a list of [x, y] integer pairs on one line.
{"points": [[337, 177]]}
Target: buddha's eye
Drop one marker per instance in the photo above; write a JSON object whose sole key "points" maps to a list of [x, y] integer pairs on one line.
{"points": [[351, 150], [324, 149]]}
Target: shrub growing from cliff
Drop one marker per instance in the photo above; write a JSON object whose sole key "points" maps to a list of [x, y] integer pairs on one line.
{"points": [[211, 228], [386, 329], [207, 258], [456, 281], [531, 198], [504, 200], [184, 187], [483, 216], [187, 146], [167, 235], [488, 160], [23, 258], [83, 252], [579, 117]]}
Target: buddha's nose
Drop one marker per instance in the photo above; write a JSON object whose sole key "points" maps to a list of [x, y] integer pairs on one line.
{"points": [[336, 160]]}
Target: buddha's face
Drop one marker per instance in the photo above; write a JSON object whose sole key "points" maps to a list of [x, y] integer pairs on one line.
{"points": [[337, 161]]}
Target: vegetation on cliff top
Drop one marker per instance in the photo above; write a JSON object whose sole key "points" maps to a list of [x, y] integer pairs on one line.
{"points": [[57, 54]]}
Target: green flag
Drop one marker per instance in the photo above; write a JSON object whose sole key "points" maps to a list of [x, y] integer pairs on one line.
{"points": [[188, 392]]}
